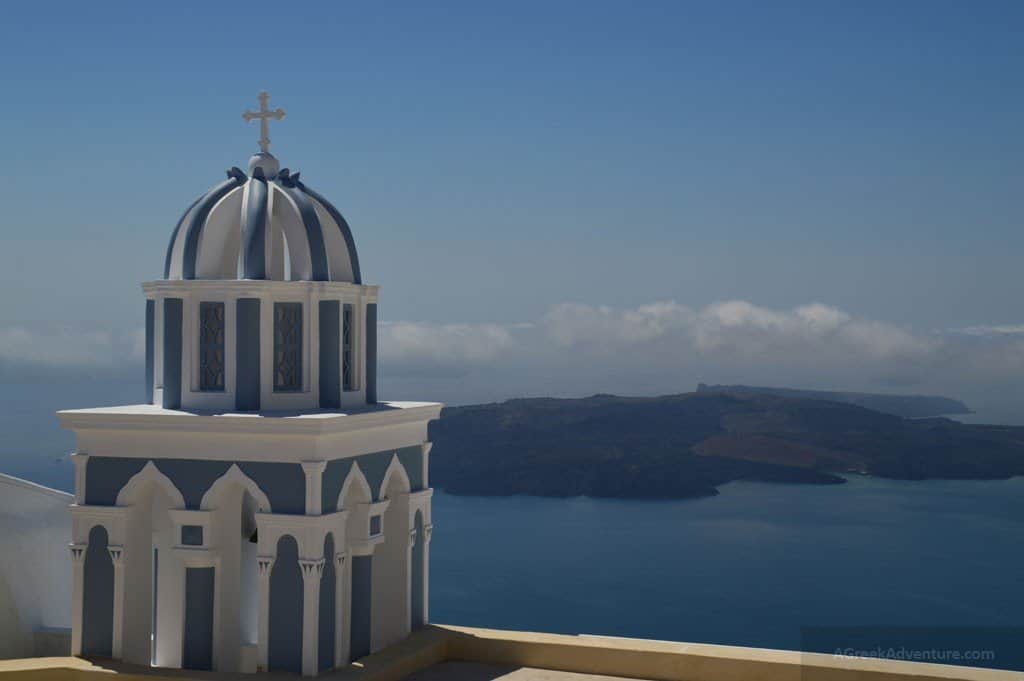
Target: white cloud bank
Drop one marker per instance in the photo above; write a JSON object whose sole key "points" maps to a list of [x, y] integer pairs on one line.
{"points": [[44, 349], [660, 347], [667, 347], [735, 329]]}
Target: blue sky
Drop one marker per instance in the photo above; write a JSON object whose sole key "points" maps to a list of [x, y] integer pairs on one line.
{"points": [[500, 160]]}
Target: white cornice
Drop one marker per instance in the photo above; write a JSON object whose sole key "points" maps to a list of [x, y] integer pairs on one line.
{"points": [[285, 521], [253, 287], [152, 418]]}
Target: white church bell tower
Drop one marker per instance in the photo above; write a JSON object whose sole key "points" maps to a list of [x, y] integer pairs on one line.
{"points": [[263, 510]]}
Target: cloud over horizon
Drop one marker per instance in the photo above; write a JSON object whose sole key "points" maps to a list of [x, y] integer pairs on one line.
{"points": [[659, 347], [28, 351], [665, 346]]}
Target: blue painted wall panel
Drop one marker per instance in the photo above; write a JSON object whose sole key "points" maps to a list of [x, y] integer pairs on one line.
{"points": [[331, 482], [362, 576], [150, 350], [172, 353], [192, 477], [374, 466], [247, 355], [98, 597], [198, 646], [105, 476], [283, 483], [330, 354], [411, 459]]}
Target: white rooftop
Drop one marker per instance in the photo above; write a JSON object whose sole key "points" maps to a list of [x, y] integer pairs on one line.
{"points": [[151, 416]]}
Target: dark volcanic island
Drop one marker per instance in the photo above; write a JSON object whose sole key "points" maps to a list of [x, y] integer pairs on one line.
{"points": [[687, 445]]}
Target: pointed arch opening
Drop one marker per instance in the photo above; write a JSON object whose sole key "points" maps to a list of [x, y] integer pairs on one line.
{"points": [[396, 480], [149, 636], [132, 492], [235, 476], [391, 562], [355, 490]]}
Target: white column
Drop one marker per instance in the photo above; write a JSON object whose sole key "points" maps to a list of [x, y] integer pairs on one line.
{"points": [[77, 595], [117, 558], [340, 630], [79, 460], [425, 449], [428, 529], [407, 617], [264, 565], [312, 571], [314, 471]]}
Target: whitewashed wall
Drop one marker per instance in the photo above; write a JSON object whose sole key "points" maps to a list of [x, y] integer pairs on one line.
{"points": [[35, 566]]}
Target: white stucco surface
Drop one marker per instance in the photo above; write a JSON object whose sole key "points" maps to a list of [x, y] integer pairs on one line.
{"points": [[35, 567]]}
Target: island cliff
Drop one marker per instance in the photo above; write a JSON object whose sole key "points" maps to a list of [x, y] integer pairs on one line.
{"points": [[687, 445]]}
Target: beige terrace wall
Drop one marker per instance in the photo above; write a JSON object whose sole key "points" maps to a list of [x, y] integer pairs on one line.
{"points": [[668, 661], [652, 660]]}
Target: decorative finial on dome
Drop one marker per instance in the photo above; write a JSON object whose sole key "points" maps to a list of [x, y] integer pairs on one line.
{"points": [[264, 115]]}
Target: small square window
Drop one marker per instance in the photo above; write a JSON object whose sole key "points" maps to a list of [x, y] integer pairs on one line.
{"points": [[191, 535], [375, 525]]}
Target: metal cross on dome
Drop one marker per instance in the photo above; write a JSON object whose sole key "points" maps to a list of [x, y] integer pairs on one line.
{"points": [[264, 115]]}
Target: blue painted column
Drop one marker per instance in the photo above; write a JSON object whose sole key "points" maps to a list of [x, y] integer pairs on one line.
{"points": [[330, 354], [172, 353], [371, 353], [150, 351], [247, 354]]}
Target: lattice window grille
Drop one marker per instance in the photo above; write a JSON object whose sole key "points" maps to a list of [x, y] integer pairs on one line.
{"points": [[287, 347], [347, 381], [211, 346]]}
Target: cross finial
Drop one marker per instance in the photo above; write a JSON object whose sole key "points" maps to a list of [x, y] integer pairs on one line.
{"points": [[264, 115]]}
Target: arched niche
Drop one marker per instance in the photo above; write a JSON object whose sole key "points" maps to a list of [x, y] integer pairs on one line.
{"points": [[391, 569], [98, 596], [286, 608]]}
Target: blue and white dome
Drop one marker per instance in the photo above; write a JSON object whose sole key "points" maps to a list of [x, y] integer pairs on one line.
{"points": [[265, 224]]}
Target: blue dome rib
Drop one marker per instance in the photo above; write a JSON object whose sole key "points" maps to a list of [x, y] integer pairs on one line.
{"points": [[255, 221], [236, 178], [346, 231], [314, 231], [254, 229], [174, 237]]}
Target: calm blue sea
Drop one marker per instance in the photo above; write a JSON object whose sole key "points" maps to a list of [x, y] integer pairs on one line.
{"points": [[753, 566]]}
